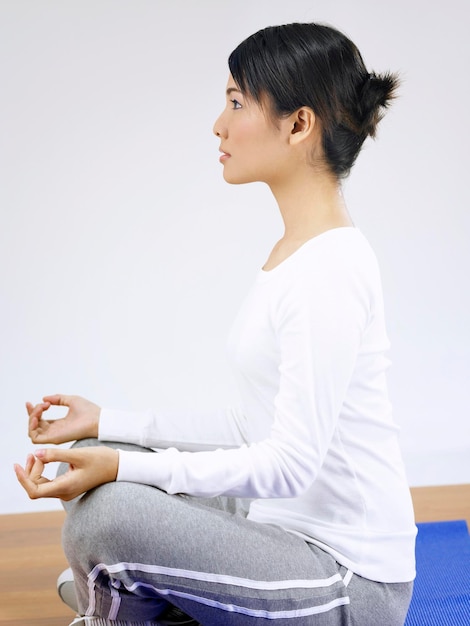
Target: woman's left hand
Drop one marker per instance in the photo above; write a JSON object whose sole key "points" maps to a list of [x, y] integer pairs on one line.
{"points": [[88, 468]]}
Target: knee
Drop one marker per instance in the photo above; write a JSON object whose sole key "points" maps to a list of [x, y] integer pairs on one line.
{"points": [[91, 522], [101, 526]]}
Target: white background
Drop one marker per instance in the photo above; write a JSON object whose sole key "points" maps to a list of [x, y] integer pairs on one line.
{"points": [[124, 255]]}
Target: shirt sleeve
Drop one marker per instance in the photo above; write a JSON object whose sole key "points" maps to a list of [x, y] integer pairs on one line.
{"points": [[182, 429], [318, 324]]}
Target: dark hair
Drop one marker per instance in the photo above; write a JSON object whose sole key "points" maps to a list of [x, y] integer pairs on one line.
{"points": [[317, 66]]}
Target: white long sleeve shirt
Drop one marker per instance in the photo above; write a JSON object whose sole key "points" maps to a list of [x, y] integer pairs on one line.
{"points": [[314, 444]]}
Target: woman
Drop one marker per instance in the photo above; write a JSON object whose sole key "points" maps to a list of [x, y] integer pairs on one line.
{"points": [[294, 509]]}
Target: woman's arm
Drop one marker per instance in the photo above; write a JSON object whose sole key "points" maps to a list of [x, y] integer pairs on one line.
{"points": [[184, 429]]}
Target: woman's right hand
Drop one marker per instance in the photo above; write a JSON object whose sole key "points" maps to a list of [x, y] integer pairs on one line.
{"points": [[80, 422]]}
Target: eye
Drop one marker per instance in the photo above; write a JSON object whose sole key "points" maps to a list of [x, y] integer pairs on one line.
{"points": [[236, 104]]}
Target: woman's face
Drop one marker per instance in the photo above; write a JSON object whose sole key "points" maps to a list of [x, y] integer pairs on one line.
{"points": [[253, 147]]}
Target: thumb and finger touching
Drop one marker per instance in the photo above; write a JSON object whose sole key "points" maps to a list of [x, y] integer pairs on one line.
{"points": [[38, 486], [88, 468], [58, 399], [55, 431]]}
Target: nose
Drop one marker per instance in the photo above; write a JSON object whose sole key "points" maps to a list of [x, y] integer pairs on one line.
{"points": [[219, 128]]}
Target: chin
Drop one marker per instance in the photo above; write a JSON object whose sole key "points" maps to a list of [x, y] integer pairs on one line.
{"points": [[237, 180]]}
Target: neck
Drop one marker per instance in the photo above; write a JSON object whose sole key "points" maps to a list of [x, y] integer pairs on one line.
{"points": [[310, 205]]}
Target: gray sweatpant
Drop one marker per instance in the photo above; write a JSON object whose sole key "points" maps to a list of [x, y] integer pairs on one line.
{"points": [[134, 549]]}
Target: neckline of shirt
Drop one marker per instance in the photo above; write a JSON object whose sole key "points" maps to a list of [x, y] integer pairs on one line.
{"points": [[314, 241]]}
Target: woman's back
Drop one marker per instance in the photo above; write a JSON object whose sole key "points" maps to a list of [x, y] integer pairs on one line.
{"points": [[309, 348]]}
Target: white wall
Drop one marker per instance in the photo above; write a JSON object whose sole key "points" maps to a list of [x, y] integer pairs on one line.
{"points": [[124, 255]]}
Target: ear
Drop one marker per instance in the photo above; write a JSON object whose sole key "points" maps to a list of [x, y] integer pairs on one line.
{"points": [[302, 125]]}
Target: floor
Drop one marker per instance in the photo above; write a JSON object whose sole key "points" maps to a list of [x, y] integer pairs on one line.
{"points": [[32, 557]]}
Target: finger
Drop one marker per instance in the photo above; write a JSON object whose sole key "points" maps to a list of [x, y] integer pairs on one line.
{"points": [[58, 399], [36, 471], [61, 455], [33, 470], [26, 483], [35, 419], [29, 464], [38, 409], [20, 474], [33, 424], [34, 490], [33, 427]]}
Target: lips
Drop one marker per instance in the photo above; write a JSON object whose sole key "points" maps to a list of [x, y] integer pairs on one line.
{"points": [[224, 156]]}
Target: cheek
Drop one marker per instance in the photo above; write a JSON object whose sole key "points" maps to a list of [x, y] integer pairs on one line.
{"points": [[245, 131]]}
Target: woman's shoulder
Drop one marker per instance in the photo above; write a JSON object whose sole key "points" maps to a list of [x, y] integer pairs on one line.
{"points": [[343, 249], [339, 256]]}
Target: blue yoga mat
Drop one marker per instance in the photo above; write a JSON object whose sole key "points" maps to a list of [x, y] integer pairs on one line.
{"points": [[441, 594]]}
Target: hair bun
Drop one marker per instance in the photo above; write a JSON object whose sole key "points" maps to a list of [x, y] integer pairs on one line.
{"points": [[376, 95]]}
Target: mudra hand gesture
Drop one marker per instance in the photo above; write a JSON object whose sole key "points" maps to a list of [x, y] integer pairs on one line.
{"points": [[88, 467], [80, 422]]}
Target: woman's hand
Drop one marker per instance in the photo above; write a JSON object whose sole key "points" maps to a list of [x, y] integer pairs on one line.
{"points": [[88, 468], [80, 422]]}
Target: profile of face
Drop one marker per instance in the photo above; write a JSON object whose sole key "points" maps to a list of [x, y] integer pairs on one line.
{"points": [[254, 147]]}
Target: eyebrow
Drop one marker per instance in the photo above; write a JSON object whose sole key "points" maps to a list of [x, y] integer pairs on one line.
{"points": [[231, 90]]}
